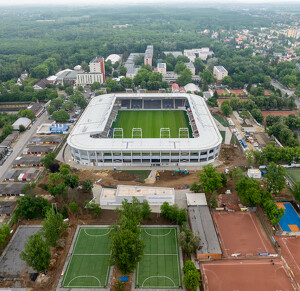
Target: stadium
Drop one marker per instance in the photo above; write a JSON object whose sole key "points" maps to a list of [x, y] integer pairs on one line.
{"points": [[145, 129]]}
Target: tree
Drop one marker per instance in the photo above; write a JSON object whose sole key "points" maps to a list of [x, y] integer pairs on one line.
{"points": [[195, 187], [73, 206], [4, 233], [257, 115], [54, 167], [60, 116], [146, 210], [227, 80], [22, 128], [127, 248], [40, 71], [191, 280], [122, 71], [226, 109], [234, 103], [275, 178], [199, 65], [296, 191], [26, 113], [37, 253], [250, 192], [69, 105], [185, 77], [207, 76], [180, 66], [211, 180], [30, 207], [53, 227], [189, 266], [64, 171], [236, 174], [244, 115], [48, 159], [189, 241], [132, 210], [88, 184]]}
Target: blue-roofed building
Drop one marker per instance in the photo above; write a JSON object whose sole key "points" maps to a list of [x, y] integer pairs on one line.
{"points": [[59, 129]]}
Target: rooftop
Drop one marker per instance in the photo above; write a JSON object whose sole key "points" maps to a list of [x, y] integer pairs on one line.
{"points": [[221, 69], [196, 199], [124, 190], [22, 121], [7, 207], [202, 224]]}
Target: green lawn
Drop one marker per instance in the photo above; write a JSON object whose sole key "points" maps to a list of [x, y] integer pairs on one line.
{"points": [[150, 121], [293, 175], [89, 265], [160, 265], [221, 120]]}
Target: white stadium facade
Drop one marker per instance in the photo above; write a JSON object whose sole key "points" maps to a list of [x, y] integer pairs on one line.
{"points": [[93, 142]]}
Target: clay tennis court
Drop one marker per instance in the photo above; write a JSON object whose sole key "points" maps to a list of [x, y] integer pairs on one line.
{"points": [[246, 275], [242, 233], [290, 249]]}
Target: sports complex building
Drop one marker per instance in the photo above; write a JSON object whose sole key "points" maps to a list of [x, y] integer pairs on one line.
{"points": [[145, 129]]}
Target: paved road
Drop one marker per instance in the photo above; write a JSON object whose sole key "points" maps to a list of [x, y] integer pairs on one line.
{"points": [[21, 143], [281, 88]]}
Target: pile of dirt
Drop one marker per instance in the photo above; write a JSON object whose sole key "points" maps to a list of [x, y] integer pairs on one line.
{"points": [[123, 176]]}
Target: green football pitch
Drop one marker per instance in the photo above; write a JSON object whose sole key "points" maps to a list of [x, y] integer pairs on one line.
{"points": [[151, 121], [293, 175], [89, 265], [160, 265]]}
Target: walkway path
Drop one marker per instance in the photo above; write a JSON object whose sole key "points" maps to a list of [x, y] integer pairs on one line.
{"points": [[228, 133]]}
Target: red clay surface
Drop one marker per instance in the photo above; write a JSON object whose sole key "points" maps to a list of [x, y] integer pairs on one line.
{"points": [[242, 233], [290, 249], [265, 113], [246, 275]]}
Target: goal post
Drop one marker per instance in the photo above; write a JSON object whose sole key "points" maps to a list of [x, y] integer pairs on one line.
{"points": [[118, 132], [183, 132], [165, 132], [136, 133]]}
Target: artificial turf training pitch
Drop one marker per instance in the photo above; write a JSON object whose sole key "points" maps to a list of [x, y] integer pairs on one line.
{"points": [[89, 265], [158, 269], [293, 175], [160, 265], [151, 121]]}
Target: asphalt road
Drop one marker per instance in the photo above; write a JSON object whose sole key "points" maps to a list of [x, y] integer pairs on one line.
{"points": [[21, 143]]}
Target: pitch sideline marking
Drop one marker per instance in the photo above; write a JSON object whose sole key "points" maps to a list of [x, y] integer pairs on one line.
{"points": [[96, 234], [160, 235], [86, 276], [258, 233], [158, 277], [66, 273], [178, 264], [291, 255]]}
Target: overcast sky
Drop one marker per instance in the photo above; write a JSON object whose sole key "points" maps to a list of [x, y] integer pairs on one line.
{"points": [[101, 2]]}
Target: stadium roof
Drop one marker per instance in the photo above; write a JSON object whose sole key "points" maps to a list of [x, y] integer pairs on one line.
{"points": [[97, 114]]}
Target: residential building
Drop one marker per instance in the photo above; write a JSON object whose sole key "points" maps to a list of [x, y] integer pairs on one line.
{"points": [[162, 68], [176, 54], [202, 53], [191, 67], [219, 72], [177, 89], [97, 66], [11, 189], [154, 195], [86, 79], [41, 84], [170, 77], [148, 55], [132, 72]]}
